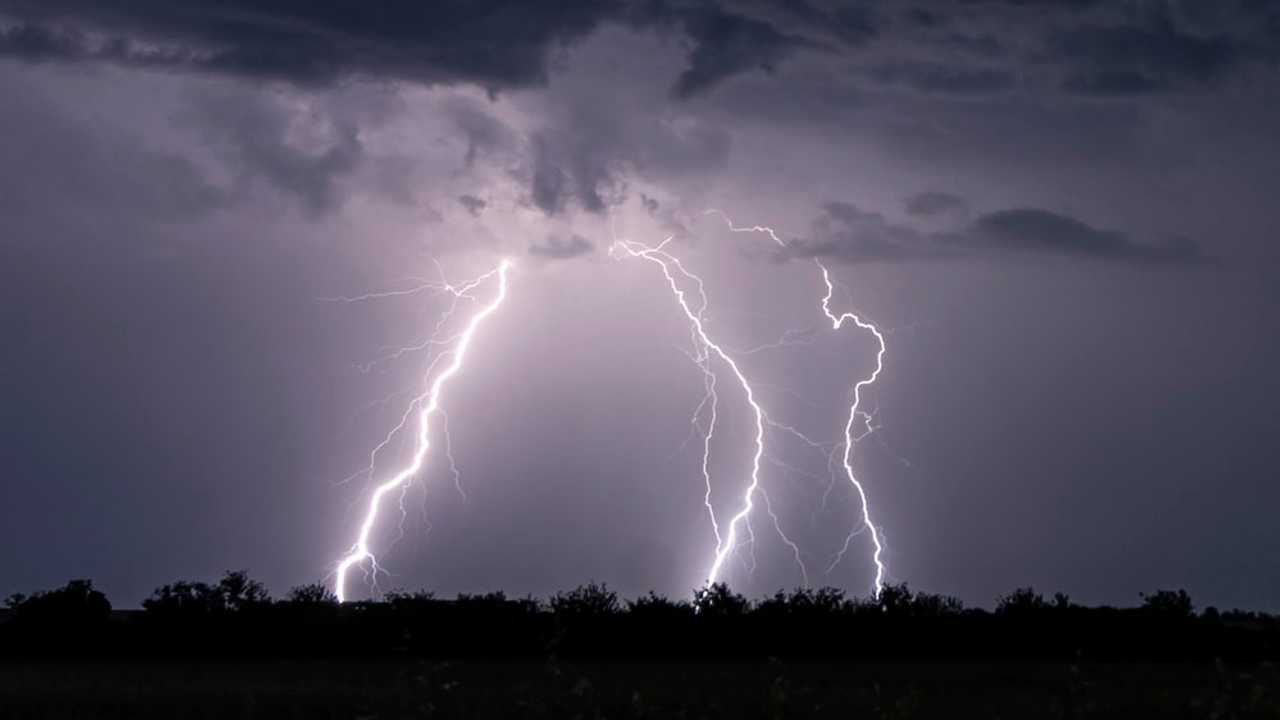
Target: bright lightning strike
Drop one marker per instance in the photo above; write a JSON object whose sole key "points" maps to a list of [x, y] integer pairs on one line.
{"points": [[728, 541], [428, 404], [837, 323], [679, 279]]}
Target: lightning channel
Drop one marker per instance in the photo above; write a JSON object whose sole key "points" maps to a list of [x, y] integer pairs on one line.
{"points": [[706, 348], [426, 405], [837, 323]]}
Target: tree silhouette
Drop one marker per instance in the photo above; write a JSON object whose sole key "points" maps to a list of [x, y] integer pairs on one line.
{"points": [[183, 598], [1168, 604], [1023, 602], [239, 593], [236, 617], [658, 607], [404, 599], [895, 600], [930, 605], [311, 594], [718, 601], [806, 603], [590, 600], [75, 604], [235, 592]]}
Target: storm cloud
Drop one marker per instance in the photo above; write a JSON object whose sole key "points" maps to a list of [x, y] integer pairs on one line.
{"points": [[312, 44], [497, 44], [557, 248], [1028, 230], [846, 233], [932, 204]]}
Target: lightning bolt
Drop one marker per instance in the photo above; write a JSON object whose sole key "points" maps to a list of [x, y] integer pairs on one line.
{"points": [[838, 323], [427, 404], [671, 266], [705, 351]]}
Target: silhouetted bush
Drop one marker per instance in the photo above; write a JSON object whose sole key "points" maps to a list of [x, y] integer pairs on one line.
{"points": [[1023, 602], [236, 617], [1170, 604], [927, 605], [311, 594], [895, 600], [76, 605], [184, 599], [401, 600], [719, 601], [71, 619], [586, 601], [235, 592], [658, 608], [239, 593]]}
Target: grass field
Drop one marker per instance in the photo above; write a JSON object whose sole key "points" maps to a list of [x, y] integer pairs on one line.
{"points": [[535, 689]]}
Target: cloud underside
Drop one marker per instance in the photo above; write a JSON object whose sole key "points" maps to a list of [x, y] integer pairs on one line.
{"points": [[846, 233], [557, 248], [583, 155], [308, 43], [974, 48], [495, 44]]}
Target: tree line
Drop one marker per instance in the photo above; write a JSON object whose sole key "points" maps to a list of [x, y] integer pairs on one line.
{"points": [[236, 616]]}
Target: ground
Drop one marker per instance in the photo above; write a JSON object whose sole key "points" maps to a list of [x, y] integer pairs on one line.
{"points": [[403, 688]]}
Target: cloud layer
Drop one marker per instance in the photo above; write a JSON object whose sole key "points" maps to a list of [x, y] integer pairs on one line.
{"points": [[1089, 48], [848, 234]]}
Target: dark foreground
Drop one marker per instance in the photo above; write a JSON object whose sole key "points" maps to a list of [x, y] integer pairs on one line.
{"points": [[227, 650], [402, 688]]}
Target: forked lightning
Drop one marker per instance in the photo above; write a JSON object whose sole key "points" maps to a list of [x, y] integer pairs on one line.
{"points": [[726, 542]]}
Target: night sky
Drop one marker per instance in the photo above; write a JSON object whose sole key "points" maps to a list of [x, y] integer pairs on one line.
{"points": [[1062, 214]]}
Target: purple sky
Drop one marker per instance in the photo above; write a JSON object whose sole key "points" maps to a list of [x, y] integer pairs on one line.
{"points": [[1062, 214]]}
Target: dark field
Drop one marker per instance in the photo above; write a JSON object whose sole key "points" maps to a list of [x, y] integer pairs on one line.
{"points": [[403, 688], [227, 650]]}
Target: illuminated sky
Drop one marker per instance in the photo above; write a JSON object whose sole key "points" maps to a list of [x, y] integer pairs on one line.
{"points": [[1061, 212]]}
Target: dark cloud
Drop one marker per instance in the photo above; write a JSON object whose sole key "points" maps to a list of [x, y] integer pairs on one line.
{"points": [[1110, 83], [727, 45], [1026, 230], [37, 44], [472, 203], [1087, 47], [585, 161], [1095, 48], [484, 133], [849, 234], [494, 43], [985, 45], [727, 42], [585, 154], [550, 184], [848, 23], [945, 79], [253, 134], [1067, 4], [932, 204], [578, 163], [556, 248], [923, 17], [1148, 52]]}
